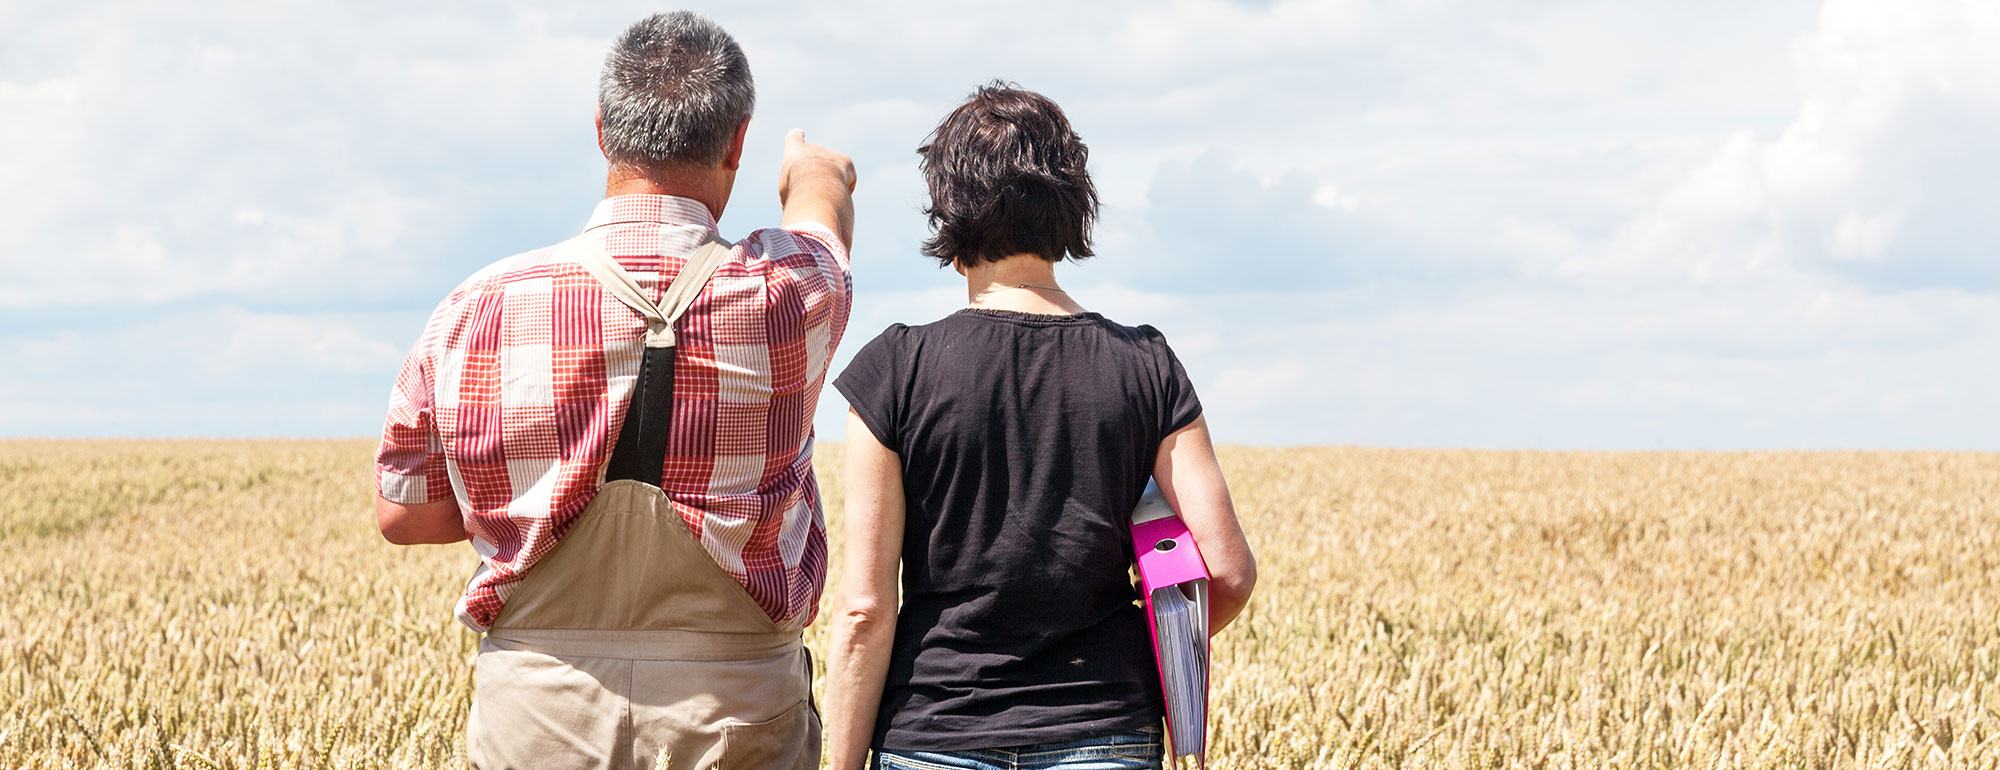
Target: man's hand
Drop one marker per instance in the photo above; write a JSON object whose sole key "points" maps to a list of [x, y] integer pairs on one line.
{"points": [[816, 184], [805, 159]]}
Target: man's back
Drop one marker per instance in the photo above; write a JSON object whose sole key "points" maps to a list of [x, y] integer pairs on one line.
{"points": [[516, 392], [657, 614]]}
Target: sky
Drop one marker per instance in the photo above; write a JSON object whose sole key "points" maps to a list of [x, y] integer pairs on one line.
{"points": [[1620, 225]]}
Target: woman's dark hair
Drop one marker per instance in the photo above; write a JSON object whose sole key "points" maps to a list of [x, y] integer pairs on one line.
{"points": [[1006, 175]]}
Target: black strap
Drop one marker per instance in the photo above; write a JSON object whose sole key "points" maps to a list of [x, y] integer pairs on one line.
{"points": [[642, 442]]}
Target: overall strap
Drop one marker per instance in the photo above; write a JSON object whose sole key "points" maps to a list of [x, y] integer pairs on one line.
{"points": [[642, 441]]}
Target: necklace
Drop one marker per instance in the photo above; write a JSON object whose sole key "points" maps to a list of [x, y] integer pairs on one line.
{"points": [[1006, 286]]}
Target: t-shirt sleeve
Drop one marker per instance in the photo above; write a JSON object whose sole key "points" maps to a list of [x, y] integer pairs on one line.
{"points": [[1179, 406], [874, 388]]}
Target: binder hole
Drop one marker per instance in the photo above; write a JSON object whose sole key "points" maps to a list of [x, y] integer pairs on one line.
{"points": [[1165, 545]]}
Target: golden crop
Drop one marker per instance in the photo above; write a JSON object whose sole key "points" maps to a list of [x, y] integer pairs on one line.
{"points": [[228, 604]]}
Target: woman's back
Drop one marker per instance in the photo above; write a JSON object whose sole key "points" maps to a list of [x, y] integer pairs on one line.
{"points": [[1025, 442], [993, 460]]}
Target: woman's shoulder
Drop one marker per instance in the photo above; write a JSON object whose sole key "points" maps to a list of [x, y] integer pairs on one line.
{"points": [[886, 342], [913, 338], [1144, 335]]}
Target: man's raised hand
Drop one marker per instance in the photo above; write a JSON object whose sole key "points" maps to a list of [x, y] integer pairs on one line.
{"points": [[816, 184], [805, 158]]}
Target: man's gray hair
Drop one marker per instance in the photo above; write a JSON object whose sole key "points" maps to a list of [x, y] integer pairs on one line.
{"points": [[674, 89]]}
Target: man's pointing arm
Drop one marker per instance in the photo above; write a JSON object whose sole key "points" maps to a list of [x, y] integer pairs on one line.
{"points": [[816, 184]]}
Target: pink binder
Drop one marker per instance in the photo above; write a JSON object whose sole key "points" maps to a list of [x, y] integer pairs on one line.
{"points": [[1175, 583]]}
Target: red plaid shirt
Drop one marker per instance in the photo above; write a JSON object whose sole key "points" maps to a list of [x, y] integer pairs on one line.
{"points": [[512, 400]]}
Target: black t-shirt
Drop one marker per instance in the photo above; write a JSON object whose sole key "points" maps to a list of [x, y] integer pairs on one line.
{"points": [[1025, 441]]}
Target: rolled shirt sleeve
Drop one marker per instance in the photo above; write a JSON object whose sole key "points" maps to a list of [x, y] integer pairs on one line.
{"points": [[812, 287], [825, 245], [410, 463], [829, 298]]}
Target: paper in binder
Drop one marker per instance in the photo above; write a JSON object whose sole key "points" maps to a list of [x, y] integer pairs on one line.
{"points": [[1175, 584]]}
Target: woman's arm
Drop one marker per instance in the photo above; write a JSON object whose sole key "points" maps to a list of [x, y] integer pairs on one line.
{"points": [[1192, 481], [865, 623]]}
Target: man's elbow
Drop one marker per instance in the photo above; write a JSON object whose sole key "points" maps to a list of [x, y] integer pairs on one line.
{"points": [[436, 523], [397, 536], [393, 521], [399, 524]]}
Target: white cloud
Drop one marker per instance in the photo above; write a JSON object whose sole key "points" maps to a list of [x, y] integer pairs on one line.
{"points": [[226, 370], [1863, 237], [1157, 39], [1329, 197], [182, 151], [1898, 129], [1278, 380], [259, 342], [1822, 367], [1359, 222]]}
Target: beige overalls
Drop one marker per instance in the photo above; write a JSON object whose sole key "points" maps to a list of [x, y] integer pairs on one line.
{"points": [[628, 645]]}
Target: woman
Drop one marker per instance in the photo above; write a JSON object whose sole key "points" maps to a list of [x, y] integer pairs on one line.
{"points": [[995, 456]]}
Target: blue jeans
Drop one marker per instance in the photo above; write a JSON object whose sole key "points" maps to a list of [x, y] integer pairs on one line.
{"points": [[1124, 751]]}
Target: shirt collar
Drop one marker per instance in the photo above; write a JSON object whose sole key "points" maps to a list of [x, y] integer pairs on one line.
{"points": [[650, 209]]}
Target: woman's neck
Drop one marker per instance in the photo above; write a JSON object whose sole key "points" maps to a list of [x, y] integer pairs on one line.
{"points": [[1023, 283]]}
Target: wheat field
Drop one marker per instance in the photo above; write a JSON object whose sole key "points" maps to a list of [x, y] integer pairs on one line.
{"points": [[228, 604]]}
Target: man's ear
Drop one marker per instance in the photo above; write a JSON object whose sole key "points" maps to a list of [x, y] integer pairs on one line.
{"points": [[598, 119], [735, 156]]}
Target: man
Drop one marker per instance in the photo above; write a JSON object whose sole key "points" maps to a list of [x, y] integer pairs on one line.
{"points": [[627, 441]]}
